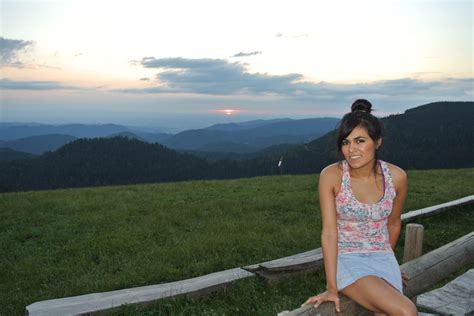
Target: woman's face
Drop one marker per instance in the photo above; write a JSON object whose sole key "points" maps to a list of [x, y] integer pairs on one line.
{"points": [[358, 148]]}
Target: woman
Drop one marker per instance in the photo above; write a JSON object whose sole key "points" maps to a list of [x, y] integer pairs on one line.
{"points": [[361, 201]]}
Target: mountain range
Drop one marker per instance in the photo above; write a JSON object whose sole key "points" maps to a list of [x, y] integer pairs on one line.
{"points": [[245, 137], [431, 136], [435, 135]]}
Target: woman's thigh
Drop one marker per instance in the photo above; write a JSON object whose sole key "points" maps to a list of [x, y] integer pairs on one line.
{"points": [[377, 295]]}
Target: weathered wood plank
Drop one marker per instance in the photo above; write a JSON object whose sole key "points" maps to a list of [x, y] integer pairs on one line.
{"points": [[304, 262], [281, 263], [413, 247], [348, 308], [456, 297], [425, 271], [98, 303], [312, 260], [435, 209], [279, 269]]}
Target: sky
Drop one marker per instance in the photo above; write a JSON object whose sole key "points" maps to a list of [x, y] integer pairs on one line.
{"points": [[187, 64]]}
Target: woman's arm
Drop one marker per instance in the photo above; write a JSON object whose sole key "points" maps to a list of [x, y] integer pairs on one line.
{"points": [[394, 222], [328, 180], [329, 230]]}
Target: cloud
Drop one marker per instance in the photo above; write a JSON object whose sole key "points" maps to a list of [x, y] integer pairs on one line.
{"points": [[213, 76], [10, 50], [144, 79], [221, 77], [242, 54], [7, 84]]}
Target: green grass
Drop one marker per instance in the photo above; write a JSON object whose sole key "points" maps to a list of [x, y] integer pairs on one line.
{"points": [[77, 241]]}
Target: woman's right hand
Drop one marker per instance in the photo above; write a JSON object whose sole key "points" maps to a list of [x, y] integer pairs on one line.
{"points": [[328, 296]]}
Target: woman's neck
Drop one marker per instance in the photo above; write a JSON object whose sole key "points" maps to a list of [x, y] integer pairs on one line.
{"points": [[366, 171]]}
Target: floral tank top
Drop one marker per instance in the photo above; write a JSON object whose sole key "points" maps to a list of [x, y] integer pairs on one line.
{"points": [[362, 227]]}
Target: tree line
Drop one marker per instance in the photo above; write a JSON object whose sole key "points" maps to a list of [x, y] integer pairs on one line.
{"points": [[436, 135]]}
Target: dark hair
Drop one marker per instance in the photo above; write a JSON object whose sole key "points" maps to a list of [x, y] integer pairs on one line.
{"points": [[359, 115]]}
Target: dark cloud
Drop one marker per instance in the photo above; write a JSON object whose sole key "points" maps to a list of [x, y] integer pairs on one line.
{"points": [[10, 49], [8, 84], [213, 76], [242, 54], [406, 87], [144, 79], [221, 77]]}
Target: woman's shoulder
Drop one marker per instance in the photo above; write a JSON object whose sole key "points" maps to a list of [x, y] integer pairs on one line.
{"points": [[332, 173], [398, 174]]}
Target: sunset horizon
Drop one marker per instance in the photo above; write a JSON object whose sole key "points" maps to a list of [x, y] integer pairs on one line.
{"points": [[143, 62]]}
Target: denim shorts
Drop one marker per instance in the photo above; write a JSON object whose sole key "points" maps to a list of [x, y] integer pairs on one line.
{"points": [[353, 266]]}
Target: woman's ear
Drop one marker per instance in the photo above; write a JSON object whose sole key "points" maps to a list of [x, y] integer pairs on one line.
{"points": [[378, 143]]}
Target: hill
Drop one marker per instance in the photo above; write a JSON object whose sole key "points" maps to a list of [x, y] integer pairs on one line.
{"points": [[241, 138], [7, 154], [251, 136], [38, 144], [78, 241], [15, 131], [430, 136], [232, 127], [101, 161]]}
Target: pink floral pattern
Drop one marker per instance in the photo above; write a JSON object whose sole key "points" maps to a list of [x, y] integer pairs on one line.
{"points": [[362, 227]]}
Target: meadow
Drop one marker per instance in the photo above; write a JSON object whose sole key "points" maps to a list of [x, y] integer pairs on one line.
{"points": [[69, 242]]}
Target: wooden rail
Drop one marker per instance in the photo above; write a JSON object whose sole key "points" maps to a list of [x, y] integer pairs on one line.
{"points": [[436, 209], [312, 260], [423, 273], [288, 266], [98, 303], [456, 297], [427, 270]]}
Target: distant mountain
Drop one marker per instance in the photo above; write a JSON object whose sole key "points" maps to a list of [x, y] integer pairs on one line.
{"points": [[101, 161], [129, 135], [231, 127], [251, 136], [7, 154], [227, 146], [152, 137], [38, 144], [244, 137], [271, 151], [435, 135], [13, 131]]}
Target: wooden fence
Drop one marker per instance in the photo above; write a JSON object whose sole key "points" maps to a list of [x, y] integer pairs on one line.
{"points": [[274, 270]]}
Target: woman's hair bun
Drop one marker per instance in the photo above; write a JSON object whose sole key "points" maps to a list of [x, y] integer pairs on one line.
{"points": [[361, 105]]}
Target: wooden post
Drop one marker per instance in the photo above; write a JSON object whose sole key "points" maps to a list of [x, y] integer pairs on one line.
{"points": [[423, 273], [413, 245], [432, 267], [413, 242]]}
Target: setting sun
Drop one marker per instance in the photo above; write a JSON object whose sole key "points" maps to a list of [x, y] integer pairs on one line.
{"points": [[226, 111]]}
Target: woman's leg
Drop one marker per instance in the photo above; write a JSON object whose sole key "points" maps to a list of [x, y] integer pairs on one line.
{"points": [[377, 295]]}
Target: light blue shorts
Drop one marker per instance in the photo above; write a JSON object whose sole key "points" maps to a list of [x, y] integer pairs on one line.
{"points": [[353, 266]]}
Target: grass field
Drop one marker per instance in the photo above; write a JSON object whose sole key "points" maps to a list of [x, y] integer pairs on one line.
{"points": [[77, 241]]}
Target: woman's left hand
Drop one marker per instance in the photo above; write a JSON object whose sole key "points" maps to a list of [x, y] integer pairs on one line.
{"points": [[324, 297]]}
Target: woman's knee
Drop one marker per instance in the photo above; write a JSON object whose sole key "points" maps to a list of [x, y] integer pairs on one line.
{"points": [[408, 308]]}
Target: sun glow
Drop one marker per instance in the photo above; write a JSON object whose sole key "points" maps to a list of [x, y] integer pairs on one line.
{"points": [[228, 112]]}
